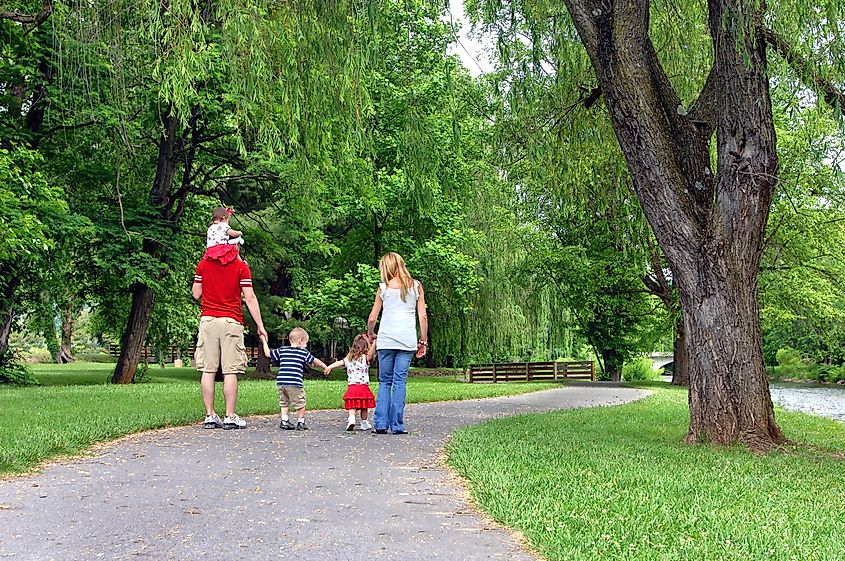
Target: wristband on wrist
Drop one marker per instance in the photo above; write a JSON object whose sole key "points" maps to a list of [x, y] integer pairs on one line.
{"points": [[423, 343]]}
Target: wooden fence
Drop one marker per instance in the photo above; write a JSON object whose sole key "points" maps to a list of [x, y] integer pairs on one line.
{"points": [[149, 355], [531, 371]]}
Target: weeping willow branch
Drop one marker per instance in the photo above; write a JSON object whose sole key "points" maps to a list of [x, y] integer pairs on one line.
{"points": [[803, 68]]}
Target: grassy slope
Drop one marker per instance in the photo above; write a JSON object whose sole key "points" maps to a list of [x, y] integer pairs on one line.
{"points": [[76, 407], [617, 483]]}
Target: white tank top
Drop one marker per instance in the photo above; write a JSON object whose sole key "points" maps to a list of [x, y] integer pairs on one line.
{"points": [[398, 328]]}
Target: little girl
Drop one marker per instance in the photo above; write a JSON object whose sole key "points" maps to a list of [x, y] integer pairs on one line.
{"points": [[358, 396], [221, 242]]}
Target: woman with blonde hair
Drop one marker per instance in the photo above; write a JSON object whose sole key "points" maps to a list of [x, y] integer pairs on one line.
{"points": [[400, 299]]}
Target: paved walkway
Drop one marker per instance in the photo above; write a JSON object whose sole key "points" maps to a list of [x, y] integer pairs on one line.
{"points": [[262, 493]]}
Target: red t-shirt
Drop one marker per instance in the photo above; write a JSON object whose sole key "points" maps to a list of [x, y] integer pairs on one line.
{"points": [[221, 287]]}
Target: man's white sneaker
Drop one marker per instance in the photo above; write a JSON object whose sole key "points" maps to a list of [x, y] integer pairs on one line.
{"points": [[212, 422], [233, 422], [365, 425]]}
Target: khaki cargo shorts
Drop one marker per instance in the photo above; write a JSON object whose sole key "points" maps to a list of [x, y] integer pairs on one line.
{"points": [[220, 343], [292, 396]]}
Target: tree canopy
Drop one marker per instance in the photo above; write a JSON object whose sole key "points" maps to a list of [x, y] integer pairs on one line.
{"points": [[630, 172]]}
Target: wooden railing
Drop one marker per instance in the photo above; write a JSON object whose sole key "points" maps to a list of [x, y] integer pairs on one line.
{"points": [[149, 355], [531, 371]]}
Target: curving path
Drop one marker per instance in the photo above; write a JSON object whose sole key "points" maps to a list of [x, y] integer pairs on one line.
{"points": [[262, 493]]}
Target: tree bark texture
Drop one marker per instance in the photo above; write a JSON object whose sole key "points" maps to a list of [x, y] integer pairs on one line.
{"points": [[262, 366], [66, 347], [612, 365], [132, 342], [143, 296], [680, 369], [709, 226], [7, 315]]}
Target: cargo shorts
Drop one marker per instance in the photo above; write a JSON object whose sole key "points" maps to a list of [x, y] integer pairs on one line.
{"points": [[292, 396], [220, 343]]}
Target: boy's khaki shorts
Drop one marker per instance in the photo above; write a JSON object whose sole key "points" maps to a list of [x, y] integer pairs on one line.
{"points": [[220, 343], [292, 396]]}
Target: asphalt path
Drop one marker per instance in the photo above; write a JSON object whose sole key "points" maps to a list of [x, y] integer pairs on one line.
{"points": [[263, 493]]}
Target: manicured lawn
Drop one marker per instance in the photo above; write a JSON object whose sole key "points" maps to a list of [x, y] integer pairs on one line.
{"points": [[75, 407], [617, 483]]}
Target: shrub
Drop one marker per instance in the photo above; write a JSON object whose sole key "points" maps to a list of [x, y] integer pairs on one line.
{"points": [[38, 355], [787, 356], [824, 373], [13, 371], [638, 369], [828, 373]]}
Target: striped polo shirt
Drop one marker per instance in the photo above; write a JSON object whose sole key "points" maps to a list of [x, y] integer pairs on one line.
{"points": [[291, 361]]}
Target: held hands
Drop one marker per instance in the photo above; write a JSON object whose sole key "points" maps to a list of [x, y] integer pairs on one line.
{"points": [[326, 371], [263, 338]]}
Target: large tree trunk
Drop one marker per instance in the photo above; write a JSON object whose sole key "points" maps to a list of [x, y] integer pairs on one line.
{"points": [[143, 296], [262, 366], [612, 364], [66, 347], [7, 314], [132, 342], [710, 227], [729, 390], [680, 368]]}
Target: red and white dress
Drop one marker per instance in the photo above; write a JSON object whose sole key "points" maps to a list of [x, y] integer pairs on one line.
{"points": [[358, 395], [218, 244]]}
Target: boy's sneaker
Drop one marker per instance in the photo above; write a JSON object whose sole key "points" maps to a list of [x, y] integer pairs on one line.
{"points": [[233, 422], [365, 425], [212, 422], [301, 426], [286, 425]]}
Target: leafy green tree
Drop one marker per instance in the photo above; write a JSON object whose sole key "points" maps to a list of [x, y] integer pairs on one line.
{"points": [[802, 272], [676, 90], [34, 217]]}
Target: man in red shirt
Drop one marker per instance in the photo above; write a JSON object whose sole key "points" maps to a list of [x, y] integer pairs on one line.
{"points": [[218, 283]]}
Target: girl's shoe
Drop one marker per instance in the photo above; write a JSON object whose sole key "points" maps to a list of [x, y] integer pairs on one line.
{"points": [[365, 425], [350, 426]]}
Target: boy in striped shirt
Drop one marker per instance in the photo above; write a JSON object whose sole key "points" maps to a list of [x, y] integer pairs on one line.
{"points": [[292, 361]]}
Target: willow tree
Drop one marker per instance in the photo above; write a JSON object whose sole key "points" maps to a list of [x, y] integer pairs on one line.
{"points": [[212, 85], [700, 145]]}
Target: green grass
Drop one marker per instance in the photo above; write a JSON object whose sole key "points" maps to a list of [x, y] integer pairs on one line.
{"points": [[75, 407], [90, 373], [618, 484]]}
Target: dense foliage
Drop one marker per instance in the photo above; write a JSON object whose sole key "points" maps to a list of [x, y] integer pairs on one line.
{"points": [[338, 134]]}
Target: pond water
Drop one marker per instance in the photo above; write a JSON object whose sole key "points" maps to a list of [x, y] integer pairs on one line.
{"points": [[823, 401]]}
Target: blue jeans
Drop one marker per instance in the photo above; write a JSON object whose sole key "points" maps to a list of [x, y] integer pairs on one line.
{"points": [[393, 368]]}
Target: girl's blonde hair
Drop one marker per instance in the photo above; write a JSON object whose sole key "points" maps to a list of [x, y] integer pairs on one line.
{"points": [[393, 266], [360, 346]]}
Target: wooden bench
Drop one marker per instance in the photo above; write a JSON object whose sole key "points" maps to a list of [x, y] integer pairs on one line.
{"points": [[531, 371]]}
